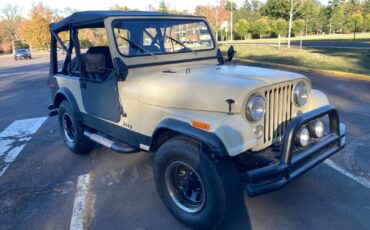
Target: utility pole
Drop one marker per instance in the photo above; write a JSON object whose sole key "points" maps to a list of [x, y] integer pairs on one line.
{"points": [[354, 32], [231, 20]]}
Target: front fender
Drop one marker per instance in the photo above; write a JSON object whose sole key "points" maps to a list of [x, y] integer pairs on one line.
{"points": [[228, 135], [211, 140], [317, 99]]}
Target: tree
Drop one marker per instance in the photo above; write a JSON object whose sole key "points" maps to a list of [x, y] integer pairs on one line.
{"points": [[35, 30], [242, 28], [337, 18], [332, 5], [367, 22], [367, 7], [295, 6], [310, 13], [298, 27], [276, 9], [163, 7], [355, 22], [215, 15], [290, 10], [261, 27], [11, 15], [247, 5], [118, 7], [279, 27]]}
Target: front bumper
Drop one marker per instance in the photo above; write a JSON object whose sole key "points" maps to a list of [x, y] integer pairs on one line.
{"points": [[294, 163]]}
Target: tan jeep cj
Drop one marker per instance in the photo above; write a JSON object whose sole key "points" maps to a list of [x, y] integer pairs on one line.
{"points": [[162, 85]]}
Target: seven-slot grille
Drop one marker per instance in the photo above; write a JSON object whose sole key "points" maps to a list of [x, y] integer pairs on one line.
{"points": [[278, 111]]}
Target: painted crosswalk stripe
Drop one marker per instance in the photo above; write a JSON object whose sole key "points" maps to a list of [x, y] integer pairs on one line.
{"points": [[79, 206], [14, 138], [359, 179]]}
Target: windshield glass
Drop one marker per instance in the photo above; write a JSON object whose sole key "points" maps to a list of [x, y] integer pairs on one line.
{"points": [[161, 36], [20, 51]]}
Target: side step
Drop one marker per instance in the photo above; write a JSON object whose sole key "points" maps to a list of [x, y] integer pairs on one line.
{"points": [[110, 144]]}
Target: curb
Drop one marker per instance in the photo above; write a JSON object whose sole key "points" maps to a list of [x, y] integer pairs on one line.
{"points": [[331, 73]]}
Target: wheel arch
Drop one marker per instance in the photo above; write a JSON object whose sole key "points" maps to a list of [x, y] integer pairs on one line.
{"points": [[169, 128]]}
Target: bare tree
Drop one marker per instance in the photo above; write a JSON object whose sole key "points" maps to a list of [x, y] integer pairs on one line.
{"points": [[295, 7], [11, 16]]}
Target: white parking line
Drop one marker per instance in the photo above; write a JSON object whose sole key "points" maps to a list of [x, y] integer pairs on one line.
{"points": [[14, 138], [362, 180], [79, 206]]}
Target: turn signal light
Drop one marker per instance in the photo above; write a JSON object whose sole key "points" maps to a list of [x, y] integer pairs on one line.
{"points": [[201, 125]]}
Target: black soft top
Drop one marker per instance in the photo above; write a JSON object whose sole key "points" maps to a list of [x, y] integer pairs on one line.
{"points": [[96, 18]]}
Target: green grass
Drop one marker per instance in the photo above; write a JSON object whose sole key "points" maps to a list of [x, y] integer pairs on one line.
{"points": [[360, 38], [346, 60]]}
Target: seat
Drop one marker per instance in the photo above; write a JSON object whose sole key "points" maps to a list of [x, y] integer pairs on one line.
{"points": [[102, 50]]}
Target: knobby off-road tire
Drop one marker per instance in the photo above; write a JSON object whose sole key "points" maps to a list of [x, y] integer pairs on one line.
{"points": [[182, 171], [72, 131]]}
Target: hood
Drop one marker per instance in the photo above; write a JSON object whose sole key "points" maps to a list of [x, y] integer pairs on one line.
{"points": [[207, 88]]}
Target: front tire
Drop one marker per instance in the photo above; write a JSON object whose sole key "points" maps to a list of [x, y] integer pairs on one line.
{"points": [[197, 190], [72, 131]]}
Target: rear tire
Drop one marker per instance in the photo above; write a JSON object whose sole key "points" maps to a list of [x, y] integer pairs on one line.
{"points": [[72, 131], [197, 190]]}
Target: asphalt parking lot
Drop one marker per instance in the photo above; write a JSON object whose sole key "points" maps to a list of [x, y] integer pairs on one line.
{"points": [[40, 179]]}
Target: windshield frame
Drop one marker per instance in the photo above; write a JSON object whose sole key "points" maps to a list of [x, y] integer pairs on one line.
{"points": [[214, 45]]}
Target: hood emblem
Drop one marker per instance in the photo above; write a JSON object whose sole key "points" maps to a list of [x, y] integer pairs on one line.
{"points": [[230, 102]]}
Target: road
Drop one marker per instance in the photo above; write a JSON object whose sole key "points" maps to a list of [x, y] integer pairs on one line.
{"points": [[39, 188], [312, 44]]}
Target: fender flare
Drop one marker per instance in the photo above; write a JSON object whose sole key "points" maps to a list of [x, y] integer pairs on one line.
{"points": [[214, 143], [65, 94]]}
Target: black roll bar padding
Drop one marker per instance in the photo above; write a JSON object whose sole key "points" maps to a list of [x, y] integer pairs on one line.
{"points": [[77, 46], [69, 53], [53, 55], [296, 124], [59, 40]]}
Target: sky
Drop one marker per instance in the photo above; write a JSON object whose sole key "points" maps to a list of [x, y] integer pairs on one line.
{"points": [[82, 5], [104, 4]]}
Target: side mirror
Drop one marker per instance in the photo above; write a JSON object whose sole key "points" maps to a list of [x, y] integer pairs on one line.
{"points": [[120, 69], [230, 53], [95, 64]]}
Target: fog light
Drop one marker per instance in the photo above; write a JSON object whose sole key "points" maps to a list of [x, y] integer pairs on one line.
{"points": [[317, 129], [259, 131], [303, 137]]}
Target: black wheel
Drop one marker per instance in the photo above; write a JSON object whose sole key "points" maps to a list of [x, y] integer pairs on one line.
{"points": [[197, 190], [16, 58], [72, 131]]}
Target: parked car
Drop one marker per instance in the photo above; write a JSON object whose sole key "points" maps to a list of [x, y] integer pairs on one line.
{"points": [[22, 54], [212, 124]]}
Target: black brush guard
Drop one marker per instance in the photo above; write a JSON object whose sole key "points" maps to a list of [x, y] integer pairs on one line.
{"points": [[294, 163]]}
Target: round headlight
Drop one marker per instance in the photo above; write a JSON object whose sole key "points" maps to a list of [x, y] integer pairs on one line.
{"points": [[317, 129], [303, 137], [301, 94], [255, 108]]}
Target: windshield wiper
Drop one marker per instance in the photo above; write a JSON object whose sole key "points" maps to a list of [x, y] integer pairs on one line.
{"points": [[182, 44], [138, 47]]}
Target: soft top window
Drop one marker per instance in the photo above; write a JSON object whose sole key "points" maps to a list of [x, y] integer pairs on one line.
{"points": [[161, 36]]}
